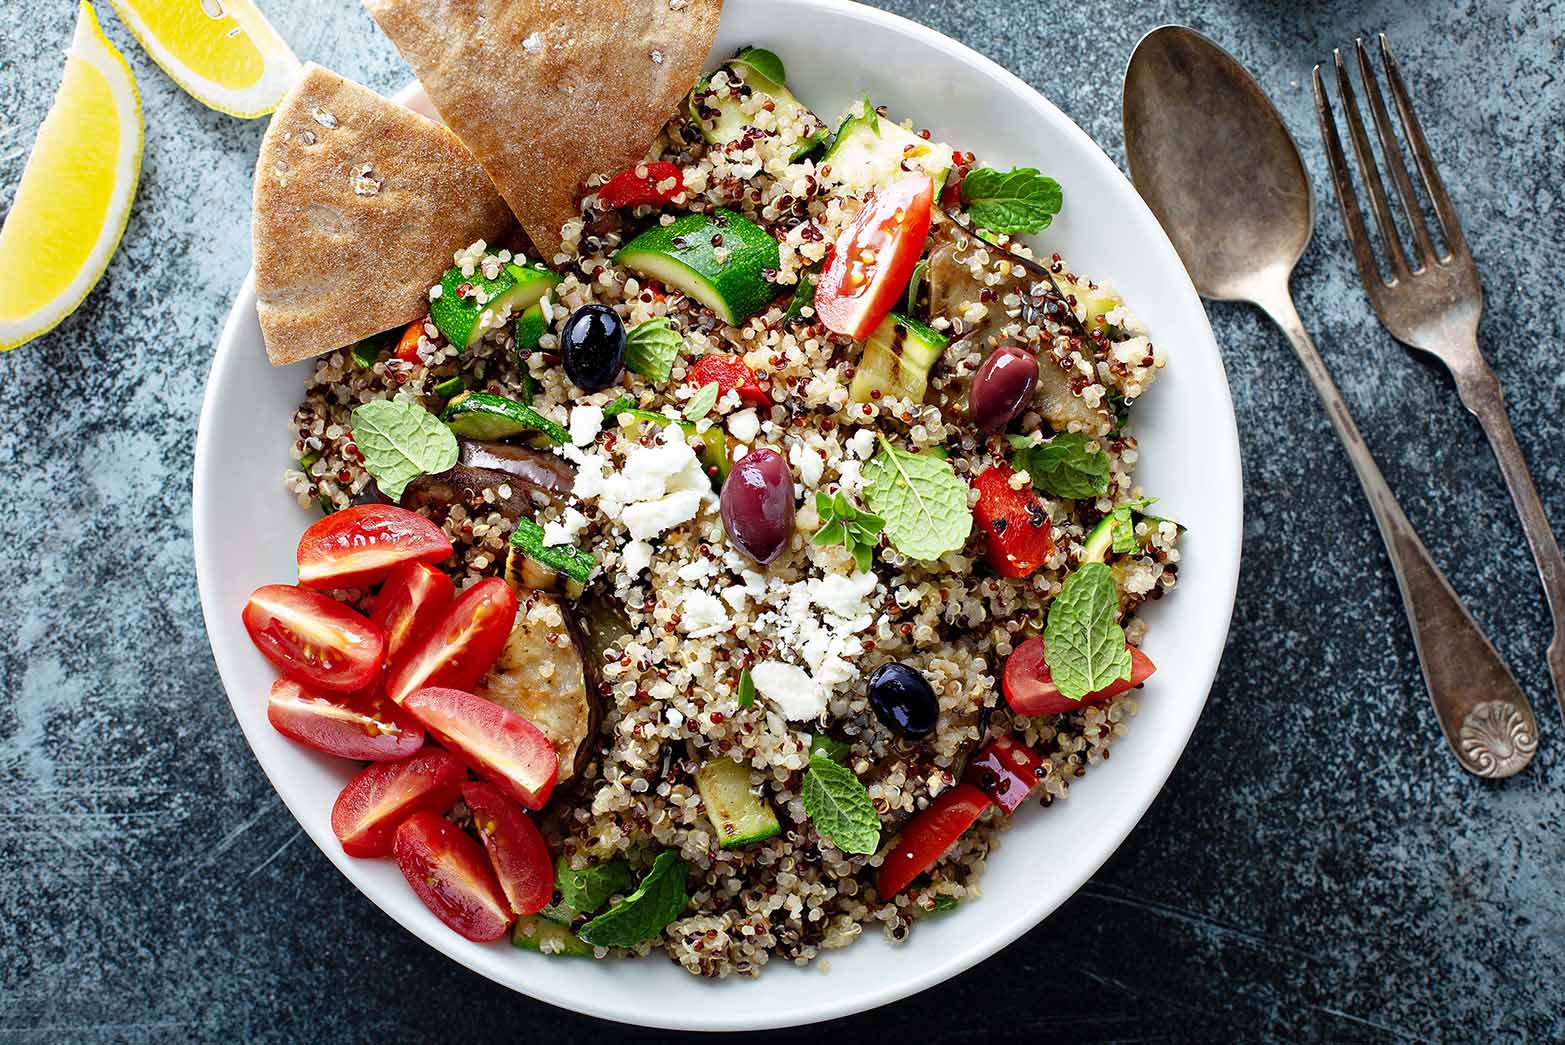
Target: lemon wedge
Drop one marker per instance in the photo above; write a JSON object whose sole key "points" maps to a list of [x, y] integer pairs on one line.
{"points": [[223, 52], [71, 207]]}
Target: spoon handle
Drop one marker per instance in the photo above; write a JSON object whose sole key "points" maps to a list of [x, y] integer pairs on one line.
{"points": [[1482, 711]]}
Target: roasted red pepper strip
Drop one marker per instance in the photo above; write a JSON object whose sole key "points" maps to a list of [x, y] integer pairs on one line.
{"points": [[732, 374], [1014, 521], [1006, 770], [642, 184], [928, 835]]}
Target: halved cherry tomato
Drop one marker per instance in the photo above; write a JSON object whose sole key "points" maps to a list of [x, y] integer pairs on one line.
{"points": [[1006, 770], [1030, 689], [366, 814], [448, 871], [516, 849], [928, 835], [407, 344], [641, 184], [870, 263], [360, 545], [413, 598], [1018, 528], [462, 646], [360, 725], [732, 374], [495, 742], [313, 637]]}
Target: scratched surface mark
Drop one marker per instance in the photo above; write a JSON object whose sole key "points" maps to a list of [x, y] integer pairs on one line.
{"points": [[1318, 868]]}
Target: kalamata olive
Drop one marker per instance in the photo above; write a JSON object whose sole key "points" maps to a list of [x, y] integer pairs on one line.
{"points": [[593, 346], [1002, 387], [903, 700], [757, 504]]}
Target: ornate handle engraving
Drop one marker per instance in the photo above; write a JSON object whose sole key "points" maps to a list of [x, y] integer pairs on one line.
{"points": [[1496, 739]]}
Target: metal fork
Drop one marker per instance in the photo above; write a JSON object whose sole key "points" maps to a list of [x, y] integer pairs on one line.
{"points": [[1432, 301]]}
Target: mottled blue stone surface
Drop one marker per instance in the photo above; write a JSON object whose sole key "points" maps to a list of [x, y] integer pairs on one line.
{"points": [[1318, 867]]}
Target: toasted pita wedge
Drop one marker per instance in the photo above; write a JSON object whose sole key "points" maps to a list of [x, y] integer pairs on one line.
{"points": [[359, 204], [549, 91]]}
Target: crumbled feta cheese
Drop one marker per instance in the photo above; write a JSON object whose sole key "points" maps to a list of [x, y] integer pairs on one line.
{"points": [[790, 689], [696, 570], [847, 597], [586, 423], [646, 519], [809, 464], [744, 425], [564, 531], [702, 614], [636, 556], [736, 596], [863, 444]]}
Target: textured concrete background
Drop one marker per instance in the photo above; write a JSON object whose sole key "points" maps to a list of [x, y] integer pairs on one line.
{"points": [[1317, 867]]}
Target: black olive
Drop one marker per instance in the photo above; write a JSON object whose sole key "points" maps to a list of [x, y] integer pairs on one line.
{"points": [[903, 700], [593, 346]]}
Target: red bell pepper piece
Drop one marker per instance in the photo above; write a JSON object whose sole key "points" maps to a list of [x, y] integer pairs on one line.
{"points": [[642, 184], [732, 374], [1006, 770], [1018, 528], [928, 835]]}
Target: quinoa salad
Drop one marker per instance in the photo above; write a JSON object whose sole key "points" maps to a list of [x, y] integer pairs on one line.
{"points": [[719, 584]]}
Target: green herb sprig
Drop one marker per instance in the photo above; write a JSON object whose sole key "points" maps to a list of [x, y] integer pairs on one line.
{"points": [[1014, 202], [922, 500], [1083, 643], [1063, 466], [651, 349], [839, 806], [401, 441], [854, 529]]}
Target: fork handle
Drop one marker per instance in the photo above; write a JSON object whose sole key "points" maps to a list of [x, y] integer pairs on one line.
{"points": [[1481, 393], [1482, 711]]}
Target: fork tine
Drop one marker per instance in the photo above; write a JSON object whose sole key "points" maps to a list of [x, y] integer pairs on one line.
{"points": [[1347, 198], [1450, 226], [1425, 248], [1369, 174]]}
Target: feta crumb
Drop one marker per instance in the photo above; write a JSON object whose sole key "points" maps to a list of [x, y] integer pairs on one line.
{"points": [[862, 444], [636, 556], [564, 531], [702, 614], [744, 425], [790, 689], [736, 596], [809, 463], [586, 423], [646, 519], [847, 597]]}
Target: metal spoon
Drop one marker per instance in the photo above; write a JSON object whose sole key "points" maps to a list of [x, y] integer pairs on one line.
{"points": [[1213, 159]]}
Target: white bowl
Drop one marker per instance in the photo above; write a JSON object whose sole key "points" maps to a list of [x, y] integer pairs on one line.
{"points": [[246, 528]]}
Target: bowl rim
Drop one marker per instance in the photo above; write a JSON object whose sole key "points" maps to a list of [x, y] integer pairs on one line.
{"points": [[1156, 770]]}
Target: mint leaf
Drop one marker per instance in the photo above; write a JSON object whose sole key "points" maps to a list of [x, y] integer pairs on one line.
{"points": [[1083, 643], [922, 501], [824, 746], [1063, 466], [587, 890], [401, 441], [746, 689], [702, 402], [651, 348], [764, 64], [657, 901], [843, 524], [839, 806], [1015, 201]]}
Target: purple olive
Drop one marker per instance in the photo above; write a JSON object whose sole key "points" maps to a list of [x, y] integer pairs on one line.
{"points": [[1002, 387], [757, 504]]}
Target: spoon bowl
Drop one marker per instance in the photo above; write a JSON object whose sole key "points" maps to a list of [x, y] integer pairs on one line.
{"points": [[1213, 159]]}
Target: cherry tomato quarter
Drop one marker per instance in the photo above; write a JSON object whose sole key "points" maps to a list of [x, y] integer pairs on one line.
{"points": [[411, 601], [367, 812], [462, 646], [450, 874], [361, 726], [871, 262], [731, 374], [516, 850], [360, 545], [314, 638], [496, 743], [1030, 690]]}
